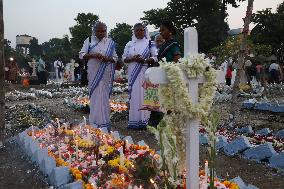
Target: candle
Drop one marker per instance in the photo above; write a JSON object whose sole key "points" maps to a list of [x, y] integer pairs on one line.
{"points": [[58, 123], [154, 184], [77, 153], [121, 156], [127, 145], [206, 171], [88, 134], [85, 121], [65, 126], [123, 179], [69, 159]]}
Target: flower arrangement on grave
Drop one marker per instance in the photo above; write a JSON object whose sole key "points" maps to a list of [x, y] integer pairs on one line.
{"points": [[172, 127], [100, 160], [83, 103]]}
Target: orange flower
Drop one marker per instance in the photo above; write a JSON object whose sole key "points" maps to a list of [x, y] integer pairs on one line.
{"points": [[78, 176]]}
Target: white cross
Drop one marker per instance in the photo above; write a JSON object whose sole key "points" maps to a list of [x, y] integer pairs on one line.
{"points": [[158, 76], [33, 65]]}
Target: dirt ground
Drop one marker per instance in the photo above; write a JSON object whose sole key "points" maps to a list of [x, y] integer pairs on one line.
{"points": [[17, 172]]}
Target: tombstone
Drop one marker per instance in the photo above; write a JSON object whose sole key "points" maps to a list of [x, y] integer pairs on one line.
{"points": [[237, 145], [158, 76], [60, 176], [129, 139], [72, 68], [221, 142], [33, 65], [115, 134], [73, 185], [280, 134], [260, 152]]}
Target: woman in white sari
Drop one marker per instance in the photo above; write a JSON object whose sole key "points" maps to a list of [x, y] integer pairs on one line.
{"points": [[101, 56], [138, 53]]}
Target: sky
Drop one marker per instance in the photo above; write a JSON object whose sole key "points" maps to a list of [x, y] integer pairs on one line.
{"points": [[46, 19]]}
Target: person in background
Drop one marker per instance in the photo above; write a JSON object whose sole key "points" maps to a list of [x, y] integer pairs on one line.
{"points": [[170, 50], [99, 52], [41, 71], [275, 72], [211, 59], [58, 66], [229, 74], [248, 70], [13, 71], [138, 54], [259, 73], [159, 40]]}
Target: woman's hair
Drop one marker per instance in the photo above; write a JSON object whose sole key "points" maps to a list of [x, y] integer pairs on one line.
{"points": [[169, 25]]}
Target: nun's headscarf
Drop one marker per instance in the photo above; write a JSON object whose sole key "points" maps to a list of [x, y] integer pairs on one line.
{"points": [[146, 34], [96, 24]]}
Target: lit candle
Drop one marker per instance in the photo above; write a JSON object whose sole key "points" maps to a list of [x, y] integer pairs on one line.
{"points": [[154, 184], [77, 150], [88, 134], [206, 171], [58, 123], [65, 126], [123, 179], [127, 145], [121, 156]]}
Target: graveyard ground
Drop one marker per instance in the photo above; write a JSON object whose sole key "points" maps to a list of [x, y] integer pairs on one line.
{"points": [[17, 172]]}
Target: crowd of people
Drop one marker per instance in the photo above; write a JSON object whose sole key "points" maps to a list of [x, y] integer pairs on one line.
{"points": [[255, 69]]}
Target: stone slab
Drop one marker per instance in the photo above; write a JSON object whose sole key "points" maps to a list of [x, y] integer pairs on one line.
{"points": [[260, 152], [237, 145]]}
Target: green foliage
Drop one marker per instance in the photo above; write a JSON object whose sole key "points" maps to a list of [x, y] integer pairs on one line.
{"points": [[230, 48], [207, 16], [211, 125], [121, 34], [8, 50], [145, 169], [35, 48], [58, 48], [82, 29], [269, 29]]}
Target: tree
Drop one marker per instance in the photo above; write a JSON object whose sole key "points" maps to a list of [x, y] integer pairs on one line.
{"points": [[8, 50], [35, 48], [207, 16], [121, 34], [2, 77], [82, 29], [241, 57], [269, 29]]}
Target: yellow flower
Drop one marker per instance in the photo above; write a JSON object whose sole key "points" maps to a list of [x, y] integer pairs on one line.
{"points": [[110, 150], [114, 162]]}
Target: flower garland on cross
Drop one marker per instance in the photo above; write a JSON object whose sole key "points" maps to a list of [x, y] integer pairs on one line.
{"points": [[175, 100]]}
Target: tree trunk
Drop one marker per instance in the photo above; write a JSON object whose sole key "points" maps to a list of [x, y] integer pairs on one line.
{"points": [[241, 57], [2, 77]]}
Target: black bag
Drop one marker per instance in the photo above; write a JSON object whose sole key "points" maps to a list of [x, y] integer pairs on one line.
{"points": [[84, 72]]}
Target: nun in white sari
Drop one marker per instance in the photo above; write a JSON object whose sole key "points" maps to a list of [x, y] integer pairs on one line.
{"points": [[101, 56], [138, 53]]}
